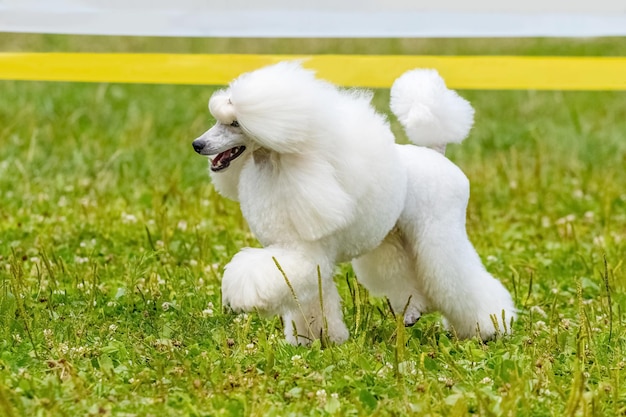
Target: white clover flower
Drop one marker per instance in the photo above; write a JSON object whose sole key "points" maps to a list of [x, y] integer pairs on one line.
{"points": [[449, 382], [241, 318], [128, 218], [182, 225], [81, 350], [570, 218], [81, 259], [88, 244], [538, 310], [321, 396], [210, 268]]}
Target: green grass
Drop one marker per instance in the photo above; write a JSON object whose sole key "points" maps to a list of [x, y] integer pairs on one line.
{"points": [[112, 242], [466, 46]]}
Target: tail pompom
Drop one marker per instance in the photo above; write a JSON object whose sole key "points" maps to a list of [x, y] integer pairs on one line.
{"points": [[432, 115]]}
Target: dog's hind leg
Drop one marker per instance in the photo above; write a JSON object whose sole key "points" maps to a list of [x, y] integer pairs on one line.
{"points": [[473, 302], [389, 271], [453, 277]]}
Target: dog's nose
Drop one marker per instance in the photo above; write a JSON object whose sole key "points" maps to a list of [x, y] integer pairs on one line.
{"points": [[198, 145]]}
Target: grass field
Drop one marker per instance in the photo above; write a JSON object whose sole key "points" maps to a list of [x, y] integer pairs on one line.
{"points": [[112, 243]]}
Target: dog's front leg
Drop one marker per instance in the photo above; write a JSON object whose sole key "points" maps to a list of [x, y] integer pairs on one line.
{"points": [[321, 318]]}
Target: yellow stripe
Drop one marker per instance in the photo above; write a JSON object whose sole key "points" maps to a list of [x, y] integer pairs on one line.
{"points": [[464, 72]]}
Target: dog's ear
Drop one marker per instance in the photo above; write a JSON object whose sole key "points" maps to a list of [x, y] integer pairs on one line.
{"points": [[277, 106]]}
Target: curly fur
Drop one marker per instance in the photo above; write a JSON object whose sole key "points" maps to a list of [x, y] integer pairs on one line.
{"points": [[322, 181]]}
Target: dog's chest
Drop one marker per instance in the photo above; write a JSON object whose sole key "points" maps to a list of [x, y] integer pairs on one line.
{"points": [[263, 204]]}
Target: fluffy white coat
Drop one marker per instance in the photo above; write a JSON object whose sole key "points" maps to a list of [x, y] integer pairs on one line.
{"points": [[320, 180]]}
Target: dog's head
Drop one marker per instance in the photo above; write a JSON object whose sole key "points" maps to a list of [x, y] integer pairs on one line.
{"points": [[273, 108], [226, 140]]}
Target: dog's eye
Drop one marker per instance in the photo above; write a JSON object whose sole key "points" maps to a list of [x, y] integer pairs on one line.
{"points": [[235, 123]]}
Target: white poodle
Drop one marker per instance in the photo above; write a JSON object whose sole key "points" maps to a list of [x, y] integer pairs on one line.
{"points": [[321, 180]]}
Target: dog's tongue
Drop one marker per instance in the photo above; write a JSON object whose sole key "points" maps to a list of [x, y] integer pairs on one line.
{"points": [[224, 156]]}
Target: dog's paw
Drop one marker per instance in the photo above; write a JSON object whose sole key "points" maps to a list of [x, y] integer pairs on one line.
{"points": [[411, 308], [242, 302], [247, 294], [486, 326], [252, 281], [411, 317]]}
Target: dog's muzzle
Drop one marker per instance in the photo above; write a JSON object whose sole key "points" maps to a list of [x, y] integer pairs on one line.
{"points": [[222, 160]]}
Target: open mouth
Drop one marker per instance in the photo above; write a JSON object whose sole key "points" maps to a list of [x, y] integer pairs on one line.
{"points": [[223, 160]]}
